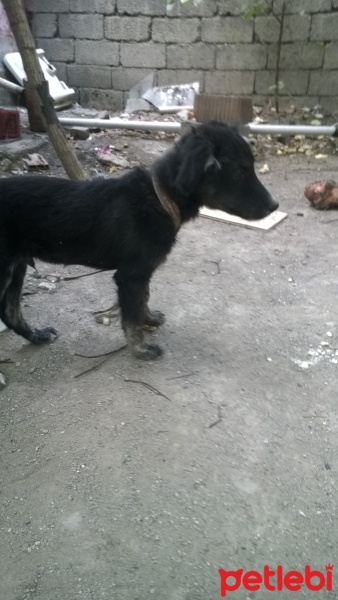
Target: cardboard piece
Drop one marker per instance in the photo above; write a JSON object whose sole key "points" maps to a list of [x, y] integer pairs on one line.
{"points": [[263, 224]]}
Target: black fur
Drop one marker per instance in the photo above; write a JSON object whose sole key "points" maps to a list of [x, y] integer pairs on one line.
{"points": [[119, 224]]}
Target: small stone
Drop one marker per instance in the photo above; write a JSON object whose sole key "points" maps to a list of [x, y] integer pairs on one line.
{"points": [[46, 285], [5, 164], [104, 114], [79, 133], [329, 333]]}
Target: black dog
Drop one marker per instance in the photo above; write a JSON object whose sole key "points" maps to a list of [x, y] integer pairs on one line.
{"points": [[128, 224]]}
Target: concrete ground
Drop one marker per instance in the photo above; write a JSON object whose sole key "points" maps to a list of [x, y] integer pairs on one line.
{"points": [[110, 489]]}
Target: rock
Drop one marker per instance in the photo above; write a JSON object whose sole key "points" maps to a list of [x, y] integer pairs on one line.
{"points": [[79, 133], [5, 164], [322, 194], [46, 285], [108, 158], [104, 114]]}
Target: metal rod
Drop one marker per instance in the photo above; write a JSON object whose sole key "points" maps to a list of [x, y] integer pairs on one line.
{"points": [[120, 124], [310, 130], [11, 86], [172, 127]]}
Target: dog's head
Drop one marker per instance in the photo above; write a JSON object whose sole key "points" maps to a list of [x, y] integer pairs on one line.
{"points": [[216, 164]]}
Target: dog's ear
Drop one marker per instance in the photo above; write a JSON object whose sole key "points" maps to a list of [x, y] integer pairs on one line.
{"points": [[197, 158], [212, 164]]}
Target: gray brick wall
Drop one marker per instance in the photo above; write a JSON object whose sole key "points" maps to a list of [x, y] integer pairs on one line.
{"points": [[104, 47]]}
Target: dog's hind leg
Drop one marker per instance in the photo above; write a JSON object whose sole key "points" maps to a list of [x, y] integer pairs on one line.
{"points": [[152, 318], [10, 311], [133, 294]]}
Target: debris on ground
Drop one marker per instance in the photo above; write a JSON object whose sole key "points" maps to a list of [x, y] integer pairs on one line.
{"points": [[265, 169], [107, 157], [3, 381], [323, 195], [35, 162]]}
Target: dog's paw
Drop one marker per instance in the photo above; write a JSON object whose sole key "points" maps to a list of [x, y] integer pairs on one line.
{"points": [[154, 318], [147, 351], [47, 334]]}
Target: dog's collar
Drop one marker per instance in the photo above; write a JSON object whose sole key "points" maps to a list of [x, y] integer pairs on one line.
{"points": [[168, 203]]}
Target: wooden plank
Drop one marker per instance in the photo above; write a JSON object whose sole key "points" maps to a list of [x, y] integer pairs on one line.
{"points": [[263, 224]]}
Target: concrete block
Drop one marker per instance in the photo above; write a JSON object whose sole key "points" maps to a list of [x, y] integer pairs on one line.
{"points": [[309, 6], [123, 79], [325, 27], [79, 133], [41, 6], [231, 7], [231, 82], [172, 77], [227, 30], [295, 83], [296, 28], [107, 99], [57, 50], [299, 55], [193, 56], [207, 8], [145, 55], [179, 31], [331, 56], [44, 25], [135, 29], [153, 8], [61, 71], [97, 53], [104, 7], [80, 26], [324, 83], [89, 76], [328, 103], [236, 57]]}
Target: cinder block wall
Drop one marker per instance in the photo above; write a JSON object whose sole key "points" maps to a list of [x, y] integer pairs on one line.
{"points": [[104, 47]]}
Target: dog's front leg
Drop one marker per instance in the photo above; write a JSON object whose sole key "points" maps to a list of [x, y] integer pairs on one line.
{"points": [[133, 294], [152, 318]]}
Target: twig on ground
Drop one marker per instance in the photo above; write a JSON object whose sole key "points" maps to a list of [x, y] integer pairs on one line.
{"points": [[6, 361], [71, 277], [220, 418], [107, 357], [149, 387], [115, 307], [181, 376]]}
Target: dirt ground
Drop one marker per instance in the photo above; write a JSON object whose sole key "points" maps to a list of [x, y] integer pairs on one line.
{"points": [[110, 489]]}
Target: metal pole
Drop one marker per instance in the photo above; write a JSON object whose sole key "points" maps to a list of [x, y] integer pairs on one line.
{"points": [[172, 127], [310, 130], [11, 86], [120, 124]]}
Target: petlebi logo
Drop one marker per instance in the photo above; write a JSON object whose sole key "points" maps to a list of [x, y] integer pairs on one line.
{"points": [[276, 580]]}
